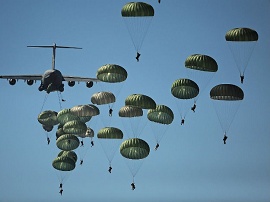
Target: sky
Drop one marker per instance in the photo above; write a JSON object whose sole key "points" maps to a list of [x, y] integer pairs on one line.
{"points": [[192, 163]]}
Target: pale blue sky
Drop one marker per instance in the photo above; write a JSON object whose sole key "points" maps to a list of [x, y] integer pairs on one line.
{"points": [[192, 164]]}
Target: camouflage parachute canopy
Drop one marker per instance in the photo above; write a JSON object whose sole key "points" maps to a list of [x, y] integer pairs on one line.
{"points": [[134, 148], [75, 127], [48, 117], [70, 154], [162, 114], [241, 34], [137, 9], [66, 115], [226, 92], [110, 133], [101, 98], [201, 63], [184, 89], [67, 142], [111, 73], [139, 100], [130, 111], [63, 163]]}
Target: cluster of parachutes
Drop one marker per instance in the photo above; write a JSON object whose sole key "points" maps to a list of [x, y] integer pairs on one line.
{"points": [[226, 97], [72, 122], [71, 127]]}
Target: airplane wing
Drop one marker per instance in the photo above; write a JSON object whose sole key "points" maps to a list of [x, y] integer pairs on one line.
{"points": [[78, 79], [34, 77]]}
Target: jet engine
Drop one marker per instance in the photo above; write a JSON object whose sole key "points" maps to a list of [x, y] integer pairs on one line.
{"points": [[71, 83], [30, 82], [12, 81], [89, 84]]}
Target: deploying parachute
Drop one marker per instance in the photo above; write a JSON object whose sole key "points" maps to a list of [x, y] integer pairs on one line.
{"points": [[241, 42], [48, 119], [138, 17], [226, 99], [185, 90], [160, 118]]}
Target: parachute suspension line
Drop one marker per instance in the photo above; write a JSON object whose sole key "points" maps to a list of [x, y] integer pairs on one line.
{"points": [[137, 28], [241, 52], [60, 99], [227, 115], [45, 98]]}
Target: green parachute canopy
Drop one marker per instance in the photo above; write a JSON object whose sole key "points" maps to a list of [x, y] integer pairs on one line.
{"points": [[111, 73], [241, 34], [110, 133], [102, 98], [227, 92], [130, 111], [67, 142], [48, 118], [184, 89], [85, 112], [139, 100], [70, 154], [162, 114], [66, 115], [63, 163], [75, 127], [137, 9], [134, 148], [201, 63]]}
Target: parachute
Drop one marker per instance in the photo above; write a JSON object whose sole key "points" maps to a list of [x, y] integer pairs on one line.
{"points": [[242, 42], [112, 77], [85, 143], [67, 142], [110, 139], [131, 118], [64, 163], [48, 119], [65, 115], [112, 73], [160, 118], [226, 99], [142, 101], [138, 17], [102, 98], [133, 113], [201, 68], [84, 112], [185, 90], [134, 150], [75, 127]]}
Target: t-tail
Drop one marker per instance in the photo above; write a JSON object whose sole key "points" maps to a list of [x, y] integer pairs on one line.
{"points": [[54, 46]]}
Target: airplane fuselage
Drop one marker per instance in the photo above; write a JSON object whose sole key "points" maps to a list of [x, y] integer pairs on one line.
{"points": [[52, 81]]}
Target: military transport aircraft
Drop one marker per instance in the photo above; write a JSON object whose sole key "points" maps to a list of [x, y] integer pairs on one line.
{"points": [[52, 79]]}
